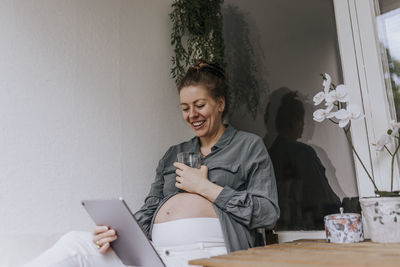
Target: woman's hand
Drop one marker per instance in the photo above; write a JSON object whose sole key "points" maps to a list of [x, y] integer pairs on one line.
{"points": [[195, 180], [102, 236]]}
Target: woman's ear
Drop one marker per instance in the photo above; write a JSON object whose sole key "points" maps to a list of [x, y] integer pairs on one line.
{"points": [[221, 104]]}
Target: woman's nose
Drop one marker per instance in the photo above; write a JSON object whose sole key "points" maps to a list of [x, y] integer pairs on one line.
{"points": [[193, 113]]}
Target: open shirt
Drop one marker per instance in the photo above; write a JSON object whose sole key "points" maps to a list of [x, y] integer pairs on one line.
{"points": [[239, 162]]}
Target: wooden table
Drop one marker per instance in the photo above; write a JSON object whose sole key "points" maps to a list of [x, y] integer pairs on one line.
{"points": [[309, 253]]}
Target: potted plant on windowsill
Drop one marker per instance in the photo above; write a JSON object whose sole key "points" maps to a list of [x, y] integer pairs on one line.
{"points": [[381, 212]]}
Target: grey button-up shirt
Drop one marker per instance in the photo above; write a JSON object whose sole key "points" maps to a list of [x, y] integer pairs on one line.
{"points": [[240, 163]]}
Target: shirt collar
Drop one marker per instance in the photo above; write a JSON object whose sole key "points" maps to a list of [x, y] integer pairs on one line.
{"points": [[226, 137], [223, 141]]}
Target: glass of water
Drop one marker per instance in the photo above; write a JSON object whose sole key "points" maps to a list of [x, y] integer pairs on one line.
{"points": [[190, 159]]}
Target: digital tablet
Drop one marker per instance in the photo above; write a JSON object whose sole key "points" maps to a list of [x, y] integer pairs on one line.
{"points": [[132, 246]]}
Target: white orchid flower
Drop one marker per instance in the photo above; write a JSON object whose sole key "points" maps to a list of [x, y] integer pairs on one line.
{"points": [[327, 83], [340, 94], [318, 98], [394, 124], [321, 114], [395, 127], [352, 112], [384, 140]]}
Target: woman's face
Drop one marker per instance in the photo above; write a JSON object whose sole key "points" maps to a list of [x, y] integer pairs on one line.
{"points": [[201, 111]]}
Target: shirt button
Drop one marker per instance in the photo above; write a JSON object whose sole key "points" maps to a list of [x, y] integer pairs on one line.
{"points": [[167, 252]]}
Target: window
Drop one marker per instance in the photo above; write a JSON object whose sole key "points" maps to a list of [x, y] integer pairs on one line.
{"points": [[362, 57]]}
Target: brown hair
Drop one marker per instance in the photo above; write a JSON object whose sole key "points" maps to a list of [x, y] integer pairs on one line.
{"points": [[210, 75]]}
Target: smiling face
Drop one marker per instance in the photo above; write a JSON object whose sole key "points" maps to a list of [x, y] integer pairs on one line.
{"points": [[201, 111]]}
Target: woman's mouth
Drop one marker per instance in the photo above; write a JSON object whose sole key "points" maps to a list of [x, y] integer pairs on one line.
{"points": [[198, 124]]}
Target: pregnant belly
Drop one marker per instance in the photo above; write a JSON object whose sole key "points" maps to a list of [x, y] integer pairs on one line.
{"points": [[185, 205]]}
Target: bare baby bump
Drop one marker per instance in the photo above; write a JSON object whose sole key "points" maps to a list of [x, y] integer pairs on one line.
{"points": [[185, 205]]}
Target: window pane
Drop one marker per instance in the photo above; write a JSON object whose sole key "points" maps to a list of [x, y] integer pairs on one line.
{"points": [[388, 24]]}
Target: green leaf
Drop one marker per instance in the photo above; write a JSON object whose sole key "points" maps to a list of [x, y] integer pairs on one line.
{"points": [[199, 23]]}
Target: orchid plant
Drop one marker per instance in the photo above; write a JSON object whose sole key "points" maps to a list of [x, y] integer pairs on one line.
{"points": [[339, 110]]}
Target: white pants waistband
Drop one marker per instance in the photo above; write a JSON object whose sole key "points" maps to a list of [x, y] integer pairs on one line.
{"points": [[179, 256], [187, 231]]}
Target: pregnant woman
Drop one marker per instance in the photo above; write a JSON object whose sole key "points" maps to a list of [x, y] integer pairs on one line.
{"points": [[194, 213]]}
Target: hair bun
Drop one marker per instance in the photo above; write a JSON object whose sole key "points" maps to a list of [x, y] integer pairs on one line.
{"points": [[212, 67]]}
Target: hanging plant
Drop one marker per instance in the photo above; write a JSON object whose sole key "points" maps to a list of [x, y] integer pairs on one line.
{"points": [[196, 33]]}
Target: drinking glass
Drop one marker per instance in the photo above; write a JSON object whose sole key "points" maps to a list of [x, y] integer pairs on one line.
{"points": [[190, 159]]}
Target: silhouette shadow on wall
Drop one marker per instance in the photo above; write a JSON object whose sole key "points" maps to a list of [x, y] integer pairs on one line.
{"points": [[305, 195], [245, 66]]}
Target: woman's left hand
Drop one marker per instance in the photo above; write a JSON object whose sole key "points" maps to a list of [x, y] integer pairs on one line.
{"points": [[191, 180]]}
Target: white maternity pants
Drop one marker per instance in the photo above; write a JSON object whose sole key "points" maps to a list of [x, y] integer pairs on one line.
{"points": [[176, 242]]}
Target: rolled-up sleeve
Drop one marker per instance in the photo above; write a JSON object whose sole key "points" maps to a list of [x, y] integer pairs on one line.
{"points": [[257, 205]]}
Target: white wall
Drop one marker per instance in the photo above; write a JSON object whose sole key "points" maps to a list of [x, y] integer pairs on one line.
{"points": [[293, 42], [87, 107]]}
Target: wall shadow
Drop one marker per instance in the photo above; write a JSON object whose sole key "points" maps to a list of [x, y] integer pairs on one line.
{"points": [[305, 194]]}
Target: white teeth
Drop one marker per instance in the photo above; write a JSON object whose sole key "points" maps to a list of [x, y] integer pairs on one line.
{"points": [[197, 123]]}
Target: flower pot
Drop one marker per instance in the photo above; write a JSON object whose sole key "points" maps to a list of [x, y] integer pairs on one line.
{"points": [[382, 217]]}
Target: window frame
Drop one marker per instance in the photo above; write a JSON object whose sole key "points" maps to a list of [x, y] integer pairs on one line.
{"points": [[363, 73]]}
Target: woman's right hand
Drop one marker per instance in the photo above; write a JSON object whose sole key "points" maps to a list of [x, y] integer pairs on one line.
{"points": [[102, 236]]}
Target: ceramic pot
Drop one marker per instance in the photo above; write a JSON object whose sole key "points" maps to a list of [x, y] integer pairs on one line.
{"points": [[382, 217], [343, 228]]}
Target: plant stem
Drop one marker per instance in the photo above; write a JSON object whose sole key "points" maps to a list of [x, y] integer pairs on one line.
{"points": [[387, 149], [359, 159], [391, 174]]}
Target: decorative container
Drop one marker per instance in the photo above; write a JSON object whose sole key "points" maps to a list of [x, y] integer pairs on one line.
{"points": [[343, 228], [382, 218]]}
